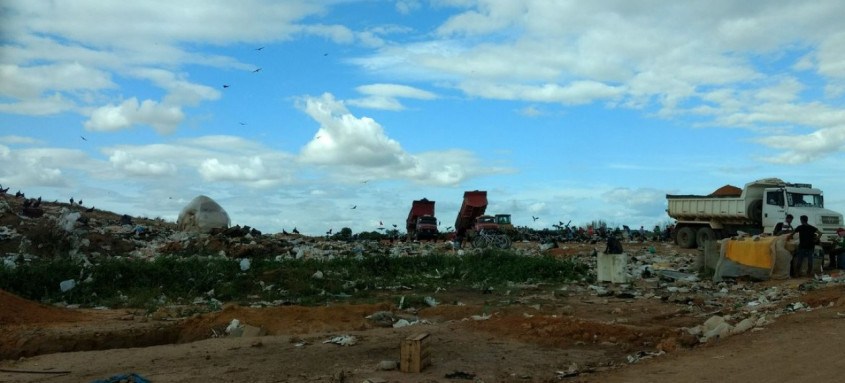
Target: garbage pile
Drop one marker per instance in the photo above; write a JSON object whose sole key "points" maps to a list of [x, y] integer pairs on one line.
{"points": [[652, 271]]}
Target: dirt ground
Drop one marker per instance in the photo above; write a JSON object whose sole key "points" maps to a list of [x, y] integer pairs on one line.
{"points": [[541, 335]]}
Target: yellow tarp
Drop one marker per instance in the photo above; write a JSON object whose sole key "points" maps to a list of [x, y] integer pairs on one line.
{"points": [[752, 253]]}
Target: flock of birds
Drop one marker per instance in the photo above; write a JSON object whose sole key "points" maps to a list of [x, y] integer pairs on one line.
{"points": [[36, 202]]}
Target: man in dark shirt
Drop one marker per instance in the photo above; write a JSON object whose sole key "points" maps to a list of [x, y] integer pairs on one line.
{"points": [[807, 235]]}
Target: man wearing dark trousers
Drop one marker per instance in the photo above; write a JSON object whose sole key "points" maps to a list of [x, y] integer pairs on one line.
{"points": [[839, 249], [807, 236]]}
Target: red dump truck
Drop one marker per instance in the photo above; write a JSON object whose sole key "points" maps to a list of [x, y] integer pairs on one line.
{"points": [[473, 206], [421, 222], [482, 230]]}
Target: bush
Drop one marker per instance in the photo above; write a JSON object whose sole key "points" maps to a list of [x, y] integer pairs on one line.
{"points": [[137, 283]]}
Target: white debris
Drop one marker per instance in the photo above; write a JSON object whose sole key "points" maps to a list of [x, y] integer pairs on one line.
{"points": [[430, 301], [317, 275], [68, 220], [234, 325], [245, 263], [715, 327], [343, 340], [67, 285], [744, 325]]}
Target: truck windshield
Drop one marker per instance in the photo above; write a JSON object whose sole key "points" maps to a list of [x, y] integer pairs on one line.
{"points": [[804, 200], [485, 219], [428, 220]]}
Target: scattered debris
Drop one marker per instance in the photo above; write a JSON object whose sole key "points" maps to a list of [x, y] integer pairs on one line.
{"points": [[343, 340], [460, 375], [67, 285], [388, 365], [430, 301], [640, 355], [124, 378], [234, 326], [245, 264]]}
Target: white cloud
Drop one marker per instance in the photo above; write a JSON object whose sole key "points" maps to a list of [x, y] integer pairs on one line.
{"points": [[33, 81], [52, 104], [377, 102], [18, 140], [125, 162], [579, 92], [39, 166], [344, 139], [406, 7], [337, 33], [249, 169], [531, 111], [61, 57], [537, 207], [396, 90], [805, 148], [180, 91], [152, 21], [639, 202], [645, 56], [360, 147], [205, 160], [163, 118], [831, 58], [386, 96]]}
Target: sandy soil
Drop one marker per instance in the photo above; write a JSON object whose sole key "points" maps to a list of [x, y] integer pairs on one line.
{"points": [[534, 337]]}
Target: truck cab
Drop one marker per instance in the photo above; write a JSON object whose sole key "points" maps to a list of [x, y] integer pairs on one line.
{"points": [[486, 222], [426, 227], [504, 222], [799, 200]]}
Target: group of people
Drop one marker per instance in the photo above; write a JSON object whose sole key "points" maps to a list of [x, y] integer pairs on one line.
{"points": [[808, 236]]}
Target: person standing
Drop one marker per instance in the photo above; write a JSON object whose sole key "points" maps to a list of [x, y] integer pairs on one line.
{"points": [[807, 235], [839, 249], [784, 227]]}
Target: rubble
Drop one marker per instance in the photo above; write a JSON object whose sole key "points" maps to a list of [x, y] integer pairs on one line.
{"points": [[343, 340], [655, 271]]}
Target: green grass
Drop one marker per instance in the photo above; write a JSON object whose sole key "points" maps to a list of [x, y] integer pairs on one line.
{"points": [[122, 282]]}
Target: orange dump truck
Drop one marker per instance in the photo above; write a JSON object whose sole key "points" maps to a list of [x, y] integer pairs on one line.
{"points": [[421, 222]]}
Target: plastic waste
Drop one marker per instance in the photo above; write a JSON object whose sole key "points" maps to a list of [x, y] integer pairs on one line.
{"points": [[67, 285], [245, 263]]}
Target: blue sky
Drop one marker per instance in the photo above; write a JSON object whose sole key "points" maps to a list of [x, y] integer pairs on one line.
{"points": [[564, 110]]}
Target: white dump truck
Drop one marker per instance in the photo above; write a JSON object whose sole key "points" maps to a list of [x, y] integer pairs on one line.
{"points": [[757, 209]]}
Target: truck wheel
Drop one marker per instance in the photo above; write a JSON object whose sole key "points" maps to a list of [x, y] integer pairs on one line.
{"points": [[503, 242], [686, 237], [705, 234], [755, 211]]}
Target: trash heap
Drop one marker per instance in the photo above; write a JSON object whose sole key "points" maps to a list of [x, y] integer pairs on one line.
{"points": [[658, 271]]}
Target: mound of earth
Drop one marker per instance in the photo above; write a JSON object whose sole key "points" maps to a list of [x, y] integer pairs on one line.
{"points": [[15, 310]]}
